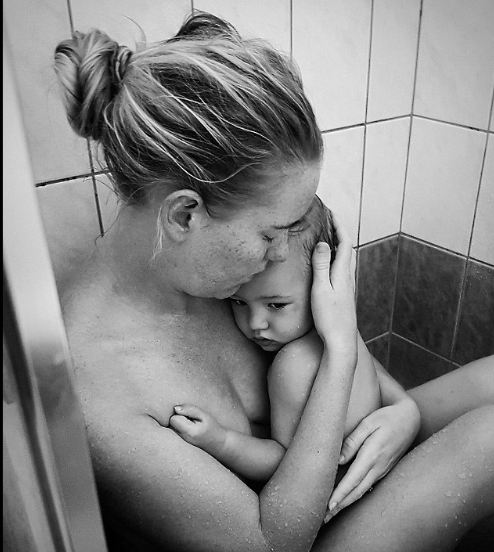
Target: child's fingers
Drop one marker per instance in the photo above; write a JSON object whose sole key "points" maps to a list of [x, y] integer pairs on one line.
{"points": [[181, 424], [192, 412]]}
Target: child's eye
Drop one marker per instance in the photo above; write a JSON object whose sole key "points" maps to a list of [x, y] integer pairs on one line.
{"points": [[237, 302], [277, 306]]}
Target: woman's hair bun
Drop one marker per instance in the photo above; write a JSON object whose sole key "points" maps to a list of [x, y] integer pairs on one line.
{"points": [[90, 68]]}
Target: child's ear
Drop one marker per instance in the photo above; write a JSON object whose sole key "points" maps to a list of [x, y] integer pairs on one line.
{"points": [[181, 212]]}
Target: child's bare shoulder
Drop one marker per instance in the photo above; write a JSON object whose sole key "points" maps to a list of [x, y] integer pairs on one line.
{"points": [[303, 352]]}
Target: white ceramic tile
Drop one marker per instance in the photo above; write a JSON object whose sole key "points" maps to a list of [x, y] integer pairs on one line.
{"points": [[442, 182], [69, 215], [483, 232], [393, 56], [384, 177], [254, 19], [33, 30], [341, 176], [123, 20], [331, 41], [455, 73]]}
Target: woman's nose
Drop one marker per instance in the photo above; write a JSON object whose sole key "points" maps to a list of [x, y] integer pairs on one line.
{"points": [[278, 251], [258, 321]]}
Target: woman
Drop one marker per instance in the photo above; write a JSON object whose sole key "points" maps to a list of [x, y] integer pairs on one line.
{"points": [[215, 152]]}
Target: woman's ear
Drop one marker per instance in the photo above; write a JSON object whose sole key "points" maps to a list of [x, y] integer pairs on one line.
{"points": [[182, 211]]}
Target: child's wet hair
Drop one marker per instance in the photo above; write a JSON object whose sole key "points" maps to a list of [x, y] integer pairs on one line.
{"points": [[319, 227]]}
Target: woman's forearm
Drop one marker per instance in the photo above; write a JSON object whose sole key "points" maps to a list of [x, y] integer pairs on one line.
{"points": [[391, 391], [250, 457], [298, 492]]}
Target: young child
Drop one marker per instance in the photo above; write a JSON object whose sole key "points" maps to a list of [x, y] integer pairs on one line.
{"points": [[274, 311]]}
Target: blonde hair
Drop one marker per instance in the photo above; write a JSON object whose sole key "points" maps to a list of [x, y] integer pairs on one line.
{"points": [[205, 110]]}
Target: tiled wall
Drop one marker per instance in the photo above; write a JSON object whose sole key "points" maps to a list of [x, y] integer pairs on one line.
{"points": [[403, 92], [441, 309]]}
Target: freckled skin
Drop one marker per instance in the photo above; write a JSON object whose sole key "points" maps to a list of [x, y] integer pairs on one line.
{"points": [[224, 253]]}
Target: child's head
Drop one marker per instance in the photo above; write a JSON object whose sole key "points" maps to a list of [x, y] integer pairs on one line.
{"points": [[274, 308]]}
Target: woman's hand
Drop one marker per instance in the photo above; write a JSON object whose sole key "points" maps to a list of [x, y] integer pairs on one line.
{"points": [[333, 295], [377, 444]]}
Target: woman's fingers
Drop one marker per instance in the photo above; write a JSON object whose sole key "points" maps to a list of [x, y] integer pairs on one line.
{"points": [[320, 263], [351, 445], [365, 485], [352, 479]]}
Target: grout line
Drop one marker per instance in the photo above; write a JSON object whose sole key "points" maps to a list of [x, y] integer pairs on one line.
{"points": [[65, 179], [69, 178], [395, 286], [405, 178], [372, 339], [379, 240], [412, 110], [464, 279], [397, 117], [338, 129], [458, 309], [95, 190], [425, 349], [364, 146], [450, 123], [445, 250], [71, 19], [291, 29]]}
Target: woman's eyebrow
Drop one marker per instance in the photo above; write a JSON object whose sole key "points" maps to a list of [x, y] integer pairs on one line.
{"points": [[293, 224]]}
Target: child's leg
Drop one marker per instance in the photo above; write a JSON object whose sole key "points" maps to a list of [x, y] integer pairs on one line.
{"points": [[448, 397], [429, 500]]}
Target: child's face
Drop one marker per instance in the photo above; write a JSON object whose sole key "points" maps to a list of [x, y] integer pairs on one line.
{"points": [[274, 307]]}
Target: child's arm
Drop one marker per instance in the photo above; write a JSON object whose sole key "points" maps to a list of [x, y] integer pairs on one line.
{"points": [[290, 380], [250, 457]]}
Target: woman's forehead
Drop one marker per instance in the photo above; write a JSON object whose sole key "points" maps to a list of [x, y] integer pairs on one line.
{"points": [[291, 195]]}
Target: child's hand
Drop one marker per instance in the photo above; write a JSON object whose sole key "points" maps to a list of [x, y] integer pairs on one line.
{"points": [[333, 295], [198, 428]]}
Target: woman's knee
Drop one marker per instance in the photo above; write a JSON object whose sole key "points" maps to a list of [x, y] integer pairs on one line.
{"points": [[480, 424]]}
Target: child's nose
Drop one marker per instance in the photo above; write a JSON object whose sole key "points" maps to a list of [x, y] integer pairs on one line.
{"points": [[258, 321]]}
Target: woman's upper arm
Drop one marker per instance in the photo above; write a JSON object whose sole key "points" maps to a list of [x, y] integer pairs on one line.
{"points": [[172, 493]]}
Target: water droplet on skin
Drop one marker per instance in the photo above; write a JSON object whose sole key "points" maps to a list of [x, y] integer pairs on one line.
{"points": [[447, 493]]}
